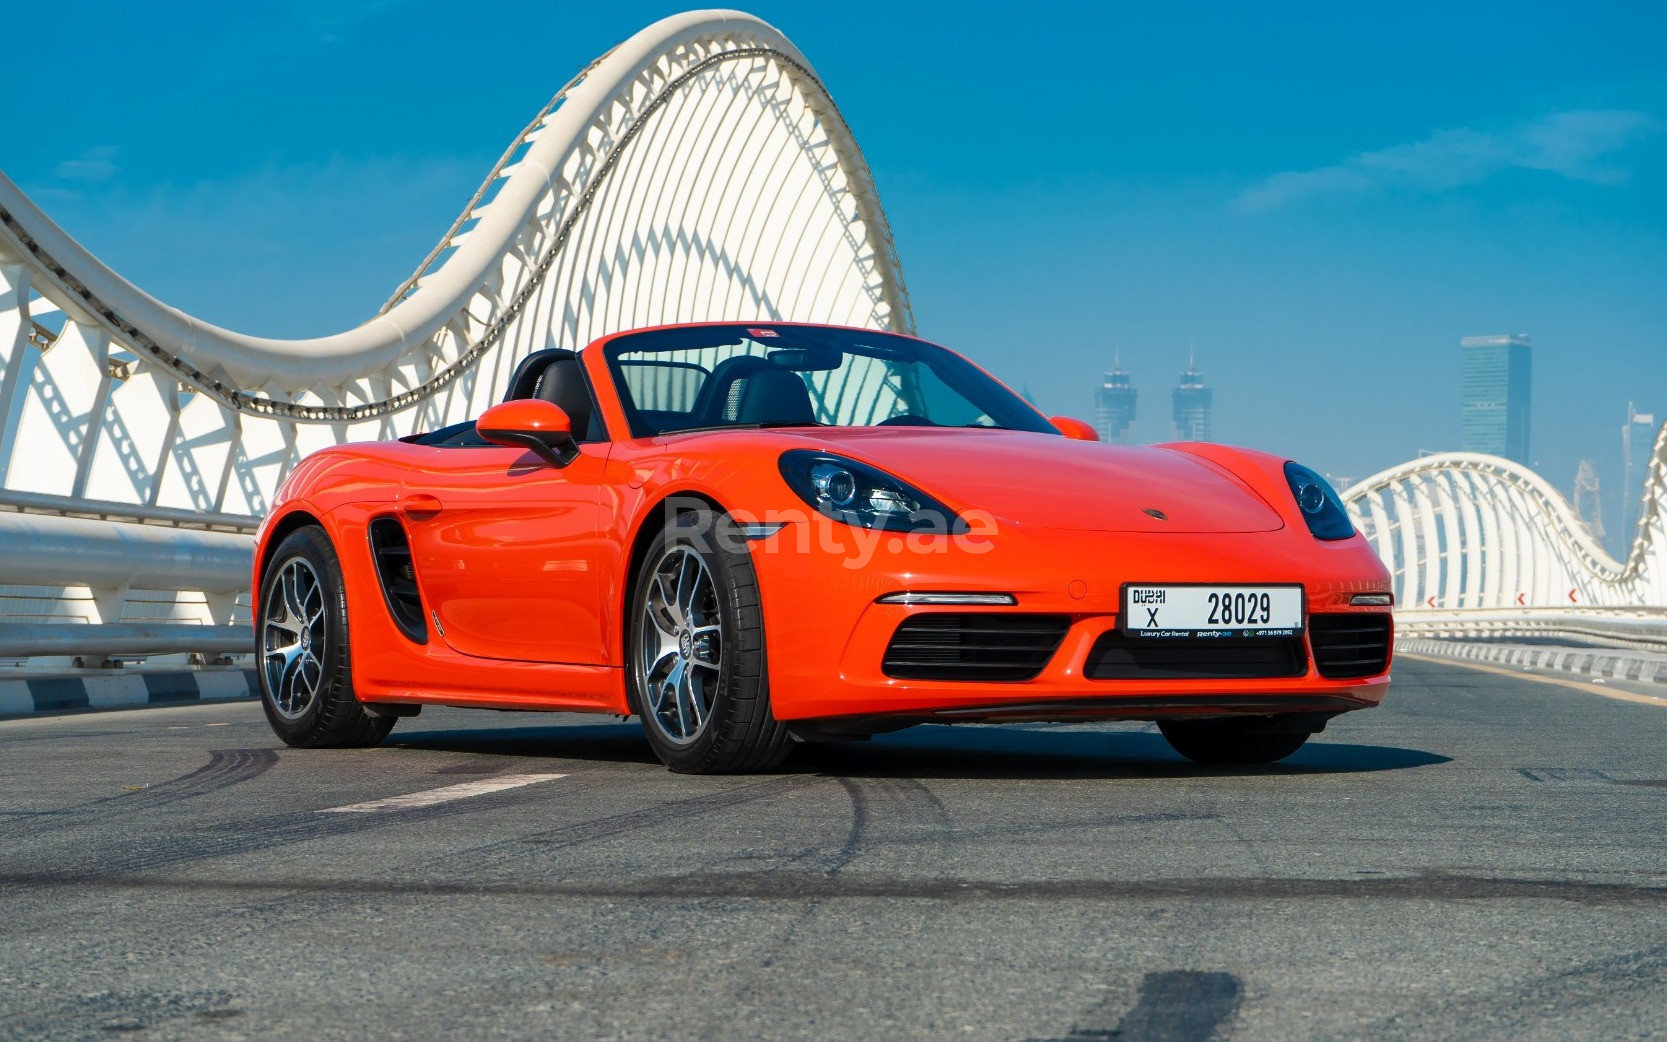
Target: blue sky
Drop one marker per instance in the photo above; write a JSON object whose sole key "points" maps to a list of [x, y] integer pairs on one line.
{"points": [[1320, 198]]}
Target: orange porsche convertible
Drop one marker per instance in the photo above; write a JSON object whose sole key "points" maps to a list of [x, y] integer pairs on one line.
{"points": [[751, 535]]}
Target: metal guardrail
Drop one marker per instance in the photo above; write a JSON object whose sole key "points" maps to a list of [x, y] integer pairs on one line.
{"points": [[1640, 628], [48, 550], [115, 640], [69, 506], [54, 550]]}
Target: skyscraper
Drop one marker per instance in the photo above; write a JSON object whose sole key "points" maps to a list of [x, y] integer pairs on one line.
{"points": [[1637, 443], [1192, 405], [1114, 406], [1495, 386]]}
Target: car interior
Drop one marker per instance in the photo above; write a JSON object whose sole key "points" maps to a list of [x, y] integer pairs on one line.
{"points": [[748, 389]]}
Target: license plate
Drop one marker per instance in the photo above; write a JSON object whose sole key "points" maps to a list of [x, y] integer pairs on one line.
{"points": [[1212, 611]]}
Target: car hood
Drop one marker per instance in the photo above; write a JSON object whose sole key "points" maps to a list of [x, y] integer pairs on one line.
{"points": [[1052, 482]]}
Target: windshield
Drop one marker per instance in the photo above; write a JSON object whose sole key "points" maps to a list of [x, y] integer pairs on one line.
{"points": [[704, 377]]}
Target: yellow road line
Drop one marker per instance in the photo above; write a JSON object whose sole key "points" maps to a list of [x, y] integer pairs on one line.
{"points": [[1578, 685]]}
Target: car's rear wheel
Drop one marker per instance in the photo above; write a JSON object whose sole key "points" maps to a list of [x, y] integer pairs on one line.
{"points": [[306, 684], [1245, 740], [696, 650]]}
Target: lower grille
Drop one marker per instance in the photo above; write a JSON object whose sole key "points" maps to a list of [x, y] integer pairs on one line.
{"points": [[1350, 646], [973, 646], [1116, 656]]}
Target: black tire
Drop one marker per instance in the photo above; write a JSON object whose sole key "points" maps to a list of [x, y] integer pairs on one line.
{"points": [[308, 695], [735, 732], [1229, 741]]}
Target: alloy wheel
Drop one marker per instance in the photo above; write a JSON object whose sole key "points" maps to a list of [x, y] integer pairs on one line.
{"points": [[680, 645], [293, 638]]}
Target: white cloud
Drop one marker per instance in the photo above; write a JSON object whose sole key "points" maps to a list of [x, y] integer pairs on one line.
{"points": [[1575, 145], [95, 164]]}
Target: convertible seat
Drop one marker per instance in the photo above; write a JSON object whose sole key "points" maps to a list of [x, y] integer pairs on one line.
{"points": [[775, 396], [555, 375], [563, 383]]}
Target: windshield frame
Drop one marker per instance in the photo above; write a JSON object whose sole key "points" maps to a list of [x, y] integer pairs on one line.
{"points": [[1007, 409]]}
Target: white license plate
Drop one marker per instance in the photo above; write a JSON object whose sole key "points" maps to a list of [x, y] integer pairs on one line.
{"points": [[1212, 611]]}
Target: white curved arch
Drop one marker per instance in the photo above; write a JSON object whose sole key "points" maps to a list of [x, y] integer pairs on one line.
{"points": [[1505, 545], [572, 147], [698, 171]]}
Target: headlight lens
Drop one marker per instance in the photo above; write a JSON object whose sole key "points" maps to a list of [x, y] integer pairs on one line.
{"points": [[1321, 507], [857, 494]]}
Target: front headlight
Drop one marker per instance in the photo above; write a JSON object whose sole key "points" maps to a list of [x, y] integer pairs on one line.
{"points": [[860, 495], [1321, 507]]}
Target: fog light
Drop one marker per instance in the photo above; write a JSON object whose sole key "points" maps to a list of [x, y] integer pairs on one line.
{"points": [[1372, 600]]}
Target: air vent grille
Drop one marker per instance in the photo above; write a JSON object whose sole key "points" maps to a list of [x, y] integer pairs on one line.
{"points": [[398, 576], [1353, 645], [973, 646]]}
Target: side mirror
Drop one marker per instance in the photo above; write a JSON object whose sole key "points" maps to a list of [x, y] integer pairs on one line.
{"points": [[531, 423], [1074, 429]]}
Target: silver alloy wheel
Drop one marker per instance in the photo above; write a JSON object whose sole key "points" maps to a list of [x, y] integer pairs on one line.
{"points": [[292, 638], [680, 645]]}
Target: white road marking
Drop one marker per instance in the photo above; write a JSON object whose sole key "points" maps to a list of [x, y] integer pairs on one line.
{"points": [[430, 797]]}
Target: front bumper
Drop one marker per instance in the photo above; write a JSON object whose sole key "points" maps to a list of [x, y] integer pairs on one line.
{"points": [[827, 634]]}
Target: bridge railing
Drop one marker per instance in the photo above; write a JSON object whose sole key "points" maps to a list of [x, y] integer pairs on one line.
{"points": [[1479, 546]]}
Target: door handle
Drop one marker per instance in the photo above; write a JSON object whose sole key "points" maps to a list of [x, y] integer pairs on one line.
{"points": [[419, 506]]}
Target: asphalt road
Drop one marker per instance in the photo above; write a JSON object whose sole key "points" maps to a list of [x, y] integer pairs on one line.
{"points": [[1482, 858]]}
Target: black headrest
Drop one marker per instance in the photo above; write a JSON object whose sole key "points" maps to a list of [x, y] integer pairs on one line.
{"points": [[524, 382], [775, 396], [712, 405], [563, 383]]}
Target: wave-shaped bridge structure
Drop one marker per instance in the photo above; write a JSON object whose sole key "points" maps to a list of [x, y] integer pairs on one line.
{"points": [[699, 170]]}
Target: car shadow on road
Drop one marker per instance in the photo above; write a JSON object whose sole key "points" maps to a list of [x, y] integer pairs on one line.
{"points": [[966, 751], [1067, 753]]}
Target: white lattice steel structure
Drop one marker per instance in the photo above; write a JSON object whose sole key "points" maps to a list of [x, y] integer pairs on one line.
{"points": [[697, 171], [1479, 545]]}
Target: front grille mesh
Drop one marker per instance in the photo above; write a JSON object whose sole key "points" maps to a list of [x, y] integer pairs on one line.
{"points": [[973, 646], [1353, 645]]}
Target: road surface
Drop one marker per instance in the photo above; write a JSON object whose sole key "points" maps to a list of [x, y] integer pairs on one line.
{"points": [[1481, 858]]}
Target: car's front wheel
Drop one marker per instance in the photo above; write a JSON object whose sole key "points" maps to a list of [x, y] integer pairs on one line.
{"points": [[696, 652], [306, 684], [1243, 740]]}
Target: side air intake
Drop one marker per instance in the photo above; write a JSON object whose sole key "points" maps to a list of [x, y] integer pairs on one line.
{"points": [[398, 577]]}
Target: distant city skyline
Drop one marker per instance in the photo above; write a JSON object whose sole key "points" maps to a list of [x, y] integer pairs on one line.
{"points": [[1116, 400], [1606, 488]]}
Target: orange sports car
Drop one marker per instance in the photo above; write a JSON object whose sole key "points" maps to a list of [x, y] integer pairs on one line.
{"points": [[749, 535]]}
